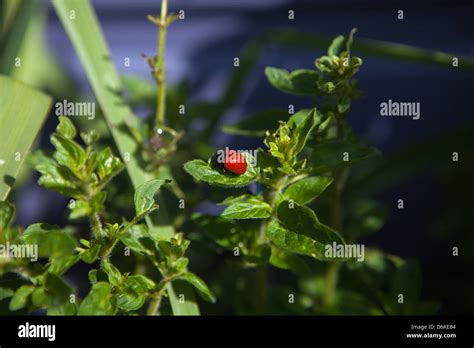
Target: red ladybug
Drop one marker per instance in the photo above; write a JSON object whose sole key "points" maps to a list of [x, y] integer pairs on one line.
{"points": [[235, 162], [232, 161]]}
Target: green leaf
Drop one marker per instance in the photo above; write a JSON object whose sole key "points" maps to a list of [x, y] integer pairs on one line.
{"points": [[59, 265], [108, 165], [139, 284], [93, 276], [162, 232], [299, 82], [307, 189], [6, 293], [289, 261], [51, 240], [300, 231], [68, 153], [99, 301], [343, 105], [145, 195], [53, 177], [335, 46], [133, 296], [199, 284], [181, 264], [350, 39], [7, 213], [332, 155], [130, 301], [257, 124], [303, 220], [171, 249], [279, 78], [226, 233], [90, 137], [56, 291], [53, 243], [248, 207], [114, 275], [294, 242], [66, 308], [91, 254], [66, 128], [303, 130], [202, 171], [134, 237], [18, 133], [20, 298], [79, 209], [298, 118]]}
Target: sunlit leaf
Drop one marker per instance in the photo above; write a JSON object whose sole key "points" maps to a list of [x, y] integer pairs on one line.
{"points": [[23, 111]]}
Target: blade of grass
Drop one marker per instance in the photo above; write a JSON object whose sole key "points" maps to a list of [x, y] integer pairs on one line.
{"points": [[286, 37], [23, 25], [13, 33], [23, 111], [86, 36], [368, 47]]}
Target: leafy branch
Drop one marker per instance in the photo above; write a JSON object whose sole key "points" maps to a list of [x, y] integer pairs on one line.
{"points": [[293, 171]]}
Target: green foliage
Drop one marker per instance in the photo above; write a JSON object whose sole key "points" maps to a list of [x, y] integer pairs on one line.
{"points": [[87, 172], [307, 189], [20, 298], [301, 174], [33, 106], [76, 172], [246, 207], [203, 171], [297, 210], [334, 155], [144, 196], [90, 45], [199, 284], [258, 123], [7, 214], [99, 301], [299, 82]]}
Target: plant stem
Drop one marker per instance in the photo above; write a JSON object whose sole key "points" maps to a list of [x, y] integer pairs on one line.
{"points": [[269, 197], [154, 306], [109, 249], [96, 226], [332, 274], [160, 73]]}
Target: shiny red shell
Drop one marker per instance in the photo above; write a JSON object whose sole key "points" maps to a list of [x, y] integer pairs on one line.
{"points": [[235, 162]]}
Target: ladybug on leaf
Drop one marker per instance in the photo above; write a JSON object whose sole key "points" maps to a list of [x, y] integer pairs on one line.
{"points": [[230, 161]]}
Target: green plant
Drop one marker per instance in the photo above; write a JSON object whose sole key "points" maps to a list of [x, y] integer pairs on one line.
{"points": [[304, 194], [83, 174], [305, 156]]}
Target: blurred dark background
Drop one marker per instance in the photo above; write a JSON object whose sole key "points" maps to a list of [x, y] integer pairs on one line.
{"points": [[202, 47]]}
